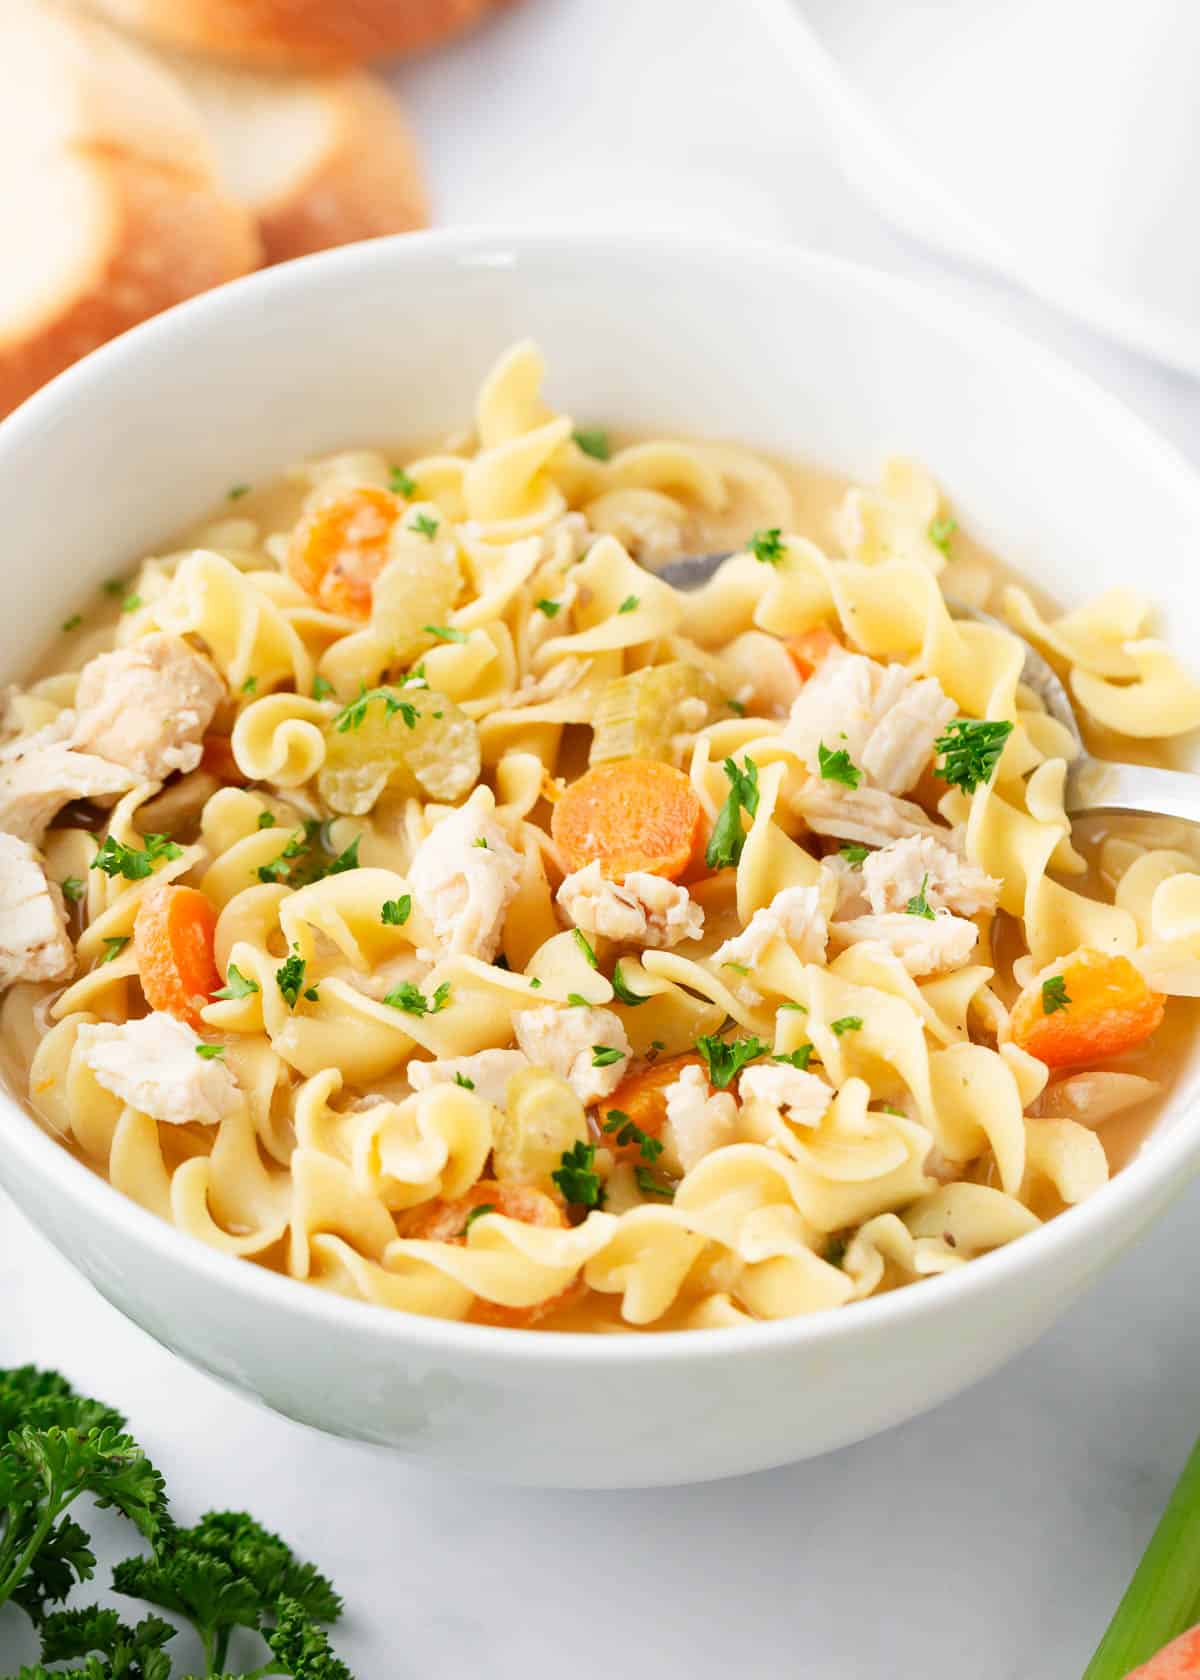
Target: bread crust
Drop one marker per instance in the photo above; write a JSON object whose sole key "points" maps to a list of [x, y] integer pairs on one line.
{"points": [[167, 235], [297, 34]]}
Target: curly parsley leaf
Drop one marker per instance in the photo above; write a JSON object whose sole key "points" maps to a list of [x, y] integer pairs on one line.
{"points": [[798, 1058], [425, 524], [290, 978], [918, 904], [400, 484], [627, 1131], [135, 863], [412, 1000], [726, 1057], [836, 766], [396, 911], [550, 608], [236, 984], [727, 839], [941, 530], [347, 859], [593, 442], [767, 546], [970, 750], [576, 1176], [847, 1023], [855, 856], [353, 716], [1054, 995]]}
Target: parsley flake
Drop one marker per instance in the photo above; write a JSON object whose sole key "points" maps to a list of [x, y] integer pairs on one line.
{"points": [[250, 685], [581, 940], [266, 819], [848, 1023], [394, 912], [627, 1132], [594, 443], [134, 863], [735, 706], [971, 749], [836, 766], [322, 688], [835, 1251], [651, 1186], [767, 546], [426, 524], [237, 491], [728, 837], [236, 984], [466, 1084], [576, 1176], [476, 1212], [854, 855], [131, 603], [941, 530], [354, 715], [550, 608], [400, 484], [624, 995], [919, 905], [629, 604], [603, 1055], [72, 888], [798, 1058], [1054, 995], [113, 947], [445, 632], [210, 1052], [114, 586], [289, 977], [726, 1057], [577, 1001], [347, 859], [72, 623], [412, 1000]]}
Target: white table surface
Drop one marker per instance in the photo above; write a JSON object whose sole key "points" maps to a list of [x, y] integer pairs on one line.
{"points": [[989, 1539]]}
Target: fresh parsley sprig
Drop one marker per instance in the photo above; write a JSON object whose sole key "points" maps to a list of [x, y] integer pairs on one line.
{"points": [[135, 863], [970, 750], [836, 766], [577, 1178], [354, 715], [727, 839], [726, 1057]]}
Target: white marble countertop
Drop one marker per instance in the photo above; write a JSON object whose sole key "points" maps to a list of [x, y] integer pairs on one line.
{"points": [[991, 1538]]}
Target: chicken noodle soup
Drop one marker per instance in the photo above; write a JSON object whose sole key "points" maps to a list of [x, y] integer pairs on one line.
{"points": [[406, 889]]}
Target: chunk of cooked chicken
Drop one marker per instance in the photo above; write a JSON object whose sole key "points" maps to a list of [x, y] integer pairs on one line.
{"points": [[698, 1121], [34, 944], [896, 875], [39, 774], [464, 877], [152, 1064], [801, 1096], [487, 1073], [147, 706], [924, 946], [794, 915], [866, 815], [569, 1041], [881, 715], [642, 909]]}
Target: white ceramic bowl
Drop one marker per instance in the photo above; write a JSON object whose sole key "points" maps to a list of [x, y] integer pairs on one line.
{"points": [[792, 352]]}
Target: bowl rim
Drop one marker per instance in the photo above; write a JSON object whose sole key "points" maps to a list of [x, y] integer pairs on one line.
{"points": [[1153, 1174]]}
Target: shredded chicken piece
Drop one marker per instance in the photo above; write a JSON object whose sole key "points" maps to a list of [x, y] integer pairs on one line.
{"points": [[34, 944], [147, 706], [560, 679], [697, 1122], [1094, 1097], [866, 815], [487, 1073], [643, 910], [881, 715], [894, 876], [39, 774], [567, 1042], [793, 914], [464, 876], [924, 946], [152, 1065], [801, 1096]]}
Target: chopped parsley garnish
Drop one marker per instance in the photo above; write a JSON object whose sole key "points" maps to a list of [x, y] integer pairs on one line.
{"points": [[476, 1213], [854, 855], [236, 984], [802, 1007], [72, 888], [481, 843], [798, 1058], [835, 1251], [738, 968], [322, 688], [919, 905], [627, 1132], [396, 911], [300, 863], [594, 443], [413, 1001], [354, 715], [726, 1057], [941, 530], [72, 623], [550, 608], [581, 940], [651, 1186], [577, 1178], [767, 546], [629, 604], [133, 863], [624, 995], [210, 1052], [603, 1055], [836, 766], [237, 491], [848, 1023], [502, 962], [131, 603], [1054, 995], [289, 977], [462, 1080], [577, 1001], [266, 819], [735, 706], [426, 524], [971, 748], [113, 947], [114, 586], [727, 838], [445, 632], [400, 484], [250, 684], [347, 859]]}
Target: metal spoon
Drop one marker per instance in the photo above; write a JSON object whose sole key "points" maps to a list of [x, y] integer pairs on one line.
{"points": [[1094, 785]]}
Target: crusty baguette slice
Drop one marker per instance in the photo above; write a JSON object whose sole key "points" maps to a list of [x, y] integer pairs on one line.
{"points": [[297, 34], [319, 160], [108, 195]]}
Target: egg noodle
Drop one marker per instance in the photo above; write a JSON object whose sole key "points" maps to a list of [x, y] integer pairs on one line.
{"points": [[586, 952]]}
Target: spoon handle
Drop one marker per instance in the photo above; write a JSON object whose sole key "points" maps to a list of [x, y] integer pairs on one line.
{"points": [[1095, 786]]}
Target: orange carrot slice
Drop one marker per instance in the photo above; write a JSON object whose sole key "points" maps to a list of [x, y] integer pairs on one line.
{"points": [[641, 1097], [440, 1221], [810, 647], [1091, 1007], [173, 944], [634, 813], [340, 547], [1180, 1660]]}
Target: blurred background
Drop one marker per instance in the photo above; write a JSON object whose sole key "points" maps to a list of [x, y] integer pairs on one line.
{"points": [[1037, 156]]}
